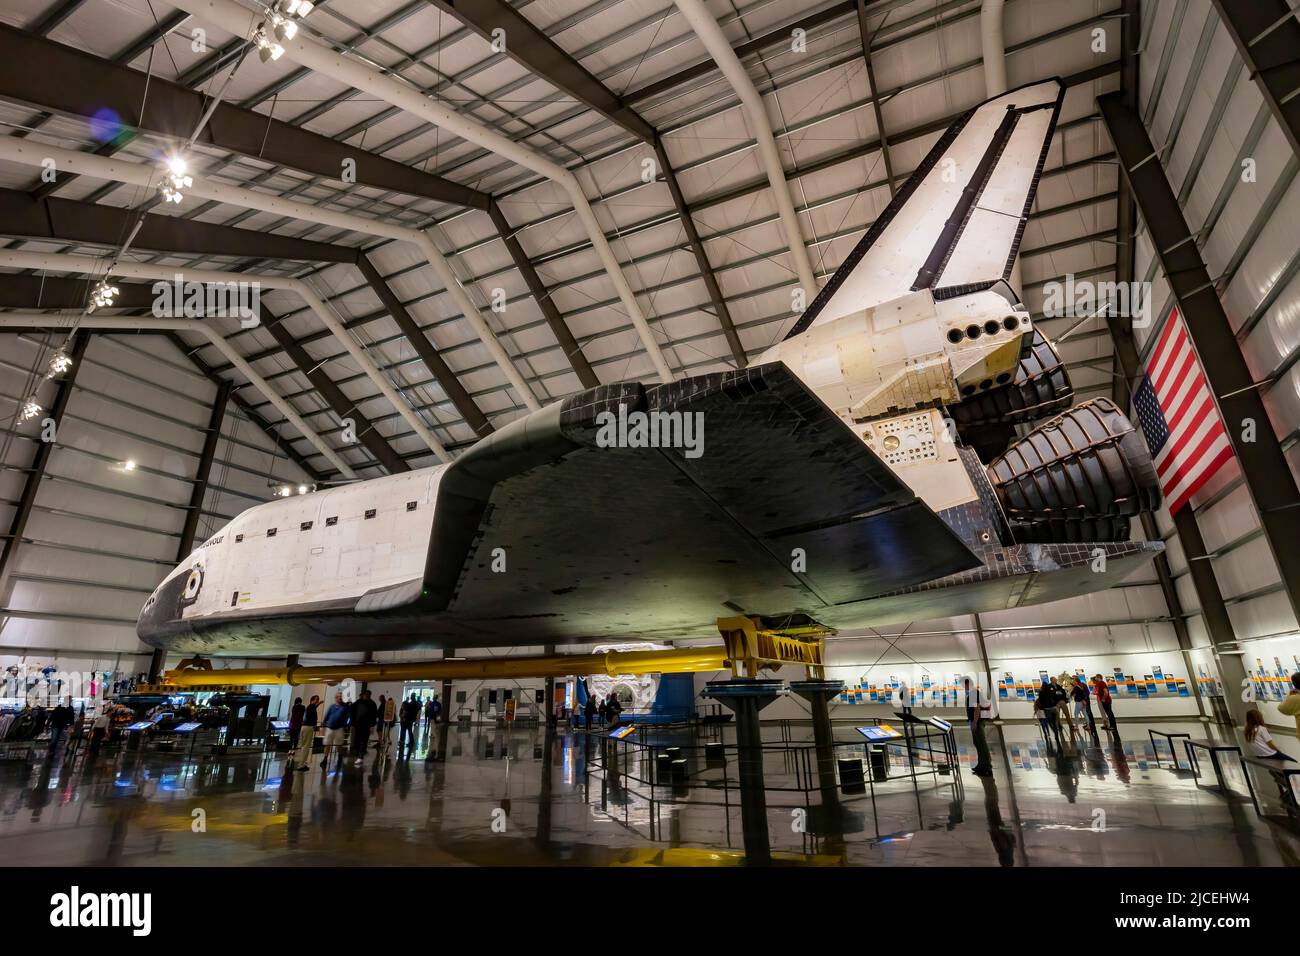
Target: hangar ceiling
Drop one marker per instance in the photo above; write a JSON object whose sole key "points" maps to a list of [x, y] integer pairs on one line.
{"points": [[608, 90]]}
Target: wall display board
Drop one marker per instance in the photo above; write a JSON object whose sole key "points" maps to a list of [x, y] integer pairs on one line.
{"points": [[928, 691], [1272, 681]]}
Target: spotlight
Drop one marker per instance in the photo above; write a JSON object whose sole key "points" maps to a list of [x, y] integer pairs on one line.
{"points": [[285, 491], [128, 465], [266, 48], [302, 489], [175, 180], [31, 409], [60, 362], [101, 297], [297, 8], [284, 30]]}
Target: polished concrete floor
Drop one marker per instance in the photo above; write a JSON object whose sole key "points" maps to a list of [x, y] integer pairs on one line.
{"points": [[522, 798]]}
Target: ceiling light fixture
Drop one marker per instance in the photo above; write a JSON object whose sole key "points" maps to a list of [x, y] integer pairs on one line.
{"points": [[267, 49], [31, 409], [284, 30], [101, 297], [175, 179], [60, 362]]}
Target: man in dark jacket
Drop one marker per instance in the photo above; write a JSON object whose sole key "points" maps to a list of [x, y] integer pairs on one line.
{"points": [[61, 719], [296, 714], [407, 718], [364, 715]]}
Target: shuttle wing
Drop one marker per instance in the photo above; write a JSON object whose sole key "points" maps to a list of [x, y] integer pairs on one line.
{"points": [[955, 225], [540, 530]]}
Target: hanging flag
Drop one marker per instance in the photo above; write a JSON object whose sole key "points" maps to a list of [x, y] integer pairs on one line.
{"points": [[1178, 414]]}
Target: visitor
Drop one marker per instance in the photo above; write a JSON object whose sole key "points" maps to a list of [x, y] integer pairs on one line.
{"points": [[1083, 705], [1258, 740], [1290, 705], [430, 712], [975, 708], [589, 711], [1062, 705], [1045, 711], [336, 722], [614, 707], [379, 722], [409, 717], [364, 715], [602, 712], [307, 735], [1102, 693], [61, 718], [295, 722], [99, 730], [904, 699], [389, 710]]}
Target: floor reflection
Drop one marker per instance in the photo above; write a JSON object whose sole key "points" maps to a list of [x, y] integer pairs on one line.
{"points": [[534, 797]]}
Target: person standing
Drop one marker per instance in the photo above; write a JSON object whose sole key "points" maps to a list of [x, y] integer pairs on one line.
{"points": [[430, 713], [1062, 697], [602, 712], [1083, 705], [99, 730], [1102, 693], [61, 718], [336, 722], [364, 715], [389, 710], [307, 735], [1290, 705], [1045, 711], [379, 722], [589, 711], [904, 698], [295, 722], [409, 717], [976, 712]]}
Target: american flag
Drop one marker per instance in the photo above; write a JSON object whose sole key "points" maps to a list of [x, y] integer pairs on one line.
{"points": [[1177, 412]]}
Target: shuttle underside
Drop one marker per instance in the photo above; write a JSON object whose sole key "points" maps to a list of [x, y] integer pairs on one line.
{"points": [[909, 451]]}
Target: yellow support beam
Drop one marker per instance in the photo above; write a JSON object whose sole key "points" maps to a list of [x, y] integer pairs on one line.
{"points": [[676, 660]]}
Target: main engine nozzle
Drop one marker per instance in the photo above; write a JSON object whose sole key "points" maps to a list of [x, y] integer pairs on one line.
{"points": [[1079, 477]]}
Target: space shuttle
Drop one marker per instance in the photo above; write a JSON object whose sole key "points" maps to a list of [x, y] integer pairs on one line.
{"points": [[908, 451]]}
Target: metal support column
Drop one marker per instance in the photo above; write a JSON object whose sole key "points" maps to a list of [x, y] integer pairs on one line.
{"points": [[701, 257], [334, 396], [819, 694], [542, 296], [198, 490], [991, 690], [44, 449], [267, 428], [746, 697], [1267, 35], [1263, 466], [446, 691], [865, 34], [429, 355], [548, 702]]}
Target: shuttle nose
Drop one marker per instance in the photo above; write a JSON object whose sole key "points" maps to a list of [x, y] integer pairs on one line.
{"points": [[161, 615]]}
